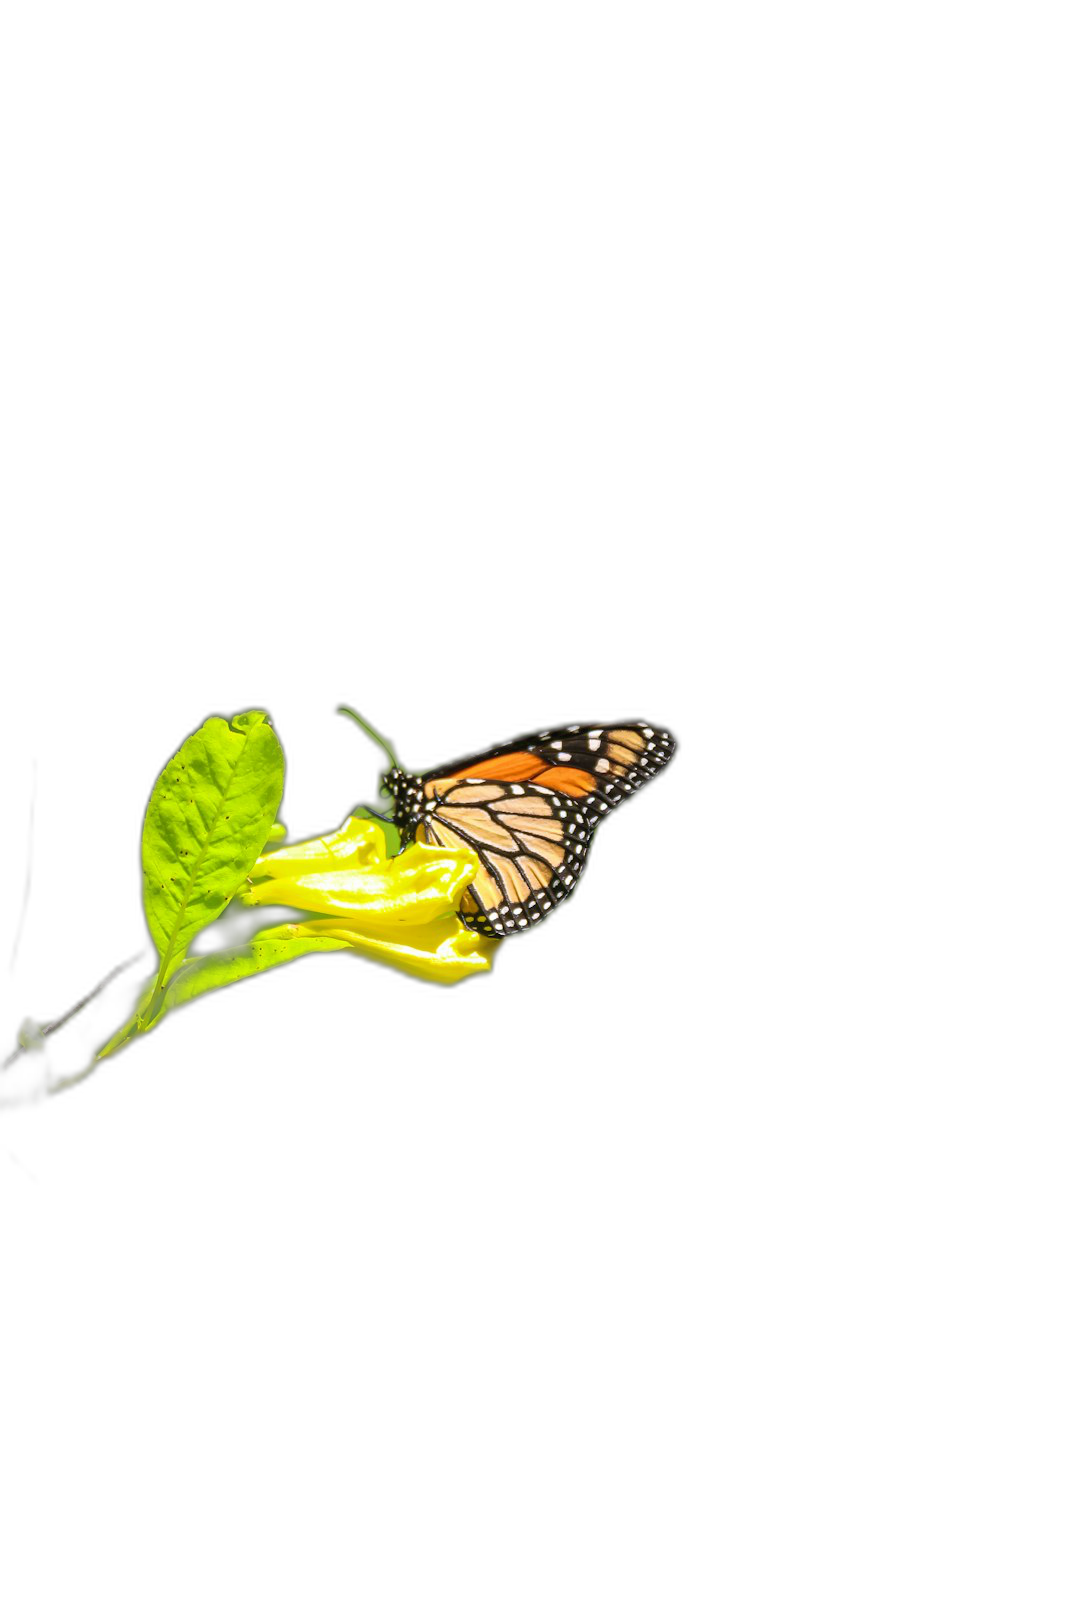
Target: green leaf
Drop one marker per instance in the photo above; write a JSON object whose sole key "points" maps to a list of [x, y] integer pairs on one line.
{"points": [[268, 949], [208, 818], [271, 948]]}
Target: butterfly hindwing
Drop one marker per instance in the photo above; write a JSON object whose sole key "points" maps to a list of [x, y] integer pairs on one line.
{"points": [[532, 843]]}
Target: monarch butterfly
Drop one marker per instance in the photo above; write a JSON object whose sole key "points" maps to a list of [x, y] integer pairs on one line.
{"points": [[527, 808]]}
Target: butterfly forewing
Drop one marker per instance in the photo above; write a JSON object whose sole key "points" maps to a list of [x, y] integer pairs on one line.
{"points": [[528, 809]]}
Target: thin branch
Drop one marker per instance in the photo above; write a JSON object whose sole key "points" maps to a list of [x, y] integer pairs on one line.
{"points": [[58, 1023]]}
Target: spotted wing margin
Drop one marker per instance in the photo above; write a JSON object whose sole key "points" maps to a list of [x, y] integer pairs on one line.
{"points": [[582, 760], [532, 844], [622, 756]]}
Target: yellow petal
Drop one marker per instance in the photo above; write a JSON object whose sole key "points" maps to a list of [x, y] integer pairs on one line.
{"points": [[357, 842], [347, 874], [445, 951]]}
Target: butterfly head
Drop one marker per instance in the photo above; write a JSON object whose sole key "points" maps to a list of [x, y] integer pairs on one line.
{"points": [[407, 794]]}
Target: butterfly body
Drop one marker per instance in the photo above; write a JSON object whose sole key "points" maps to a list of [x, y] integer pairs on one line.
{"points": [[528, 810]]}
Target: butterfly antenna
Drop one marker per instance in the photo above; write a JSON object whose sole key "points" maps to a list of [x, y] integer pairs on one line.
{"points": [[343, 708]]}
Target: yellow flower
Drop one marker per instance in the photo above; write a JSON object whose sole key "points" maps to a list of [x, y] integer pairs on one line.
{"points": [[401, 910]]}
